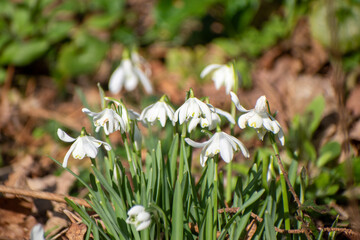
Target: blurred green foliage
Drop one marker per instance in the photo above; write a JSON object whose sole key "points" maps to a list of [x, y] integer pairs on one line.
{"points": [[65, 39], [62, 36]]}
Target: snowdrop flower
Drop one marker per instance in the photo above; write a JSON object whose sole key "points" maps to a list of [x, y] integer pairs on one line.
{"points": [[128, 74], [139, 217], [193, 108], [37, 232], [125, 114], [108, 119], [222, 143], [83, 145], [215, 120], [129, 117], [222, 75], [258, 118], [157, 111]]}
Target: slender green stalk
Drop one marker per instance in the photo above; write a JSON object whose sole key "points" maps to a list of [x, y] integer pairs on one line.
{"points": [[229, 165], [233, 114], [215, 192], [265, 170], [181, 160], [283, 187], [110, 155]]}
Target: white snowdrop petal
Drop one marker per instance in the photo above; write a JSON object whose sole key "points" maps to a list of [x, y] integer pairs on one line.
{"points": [[143, 225], [131, 81], [144, 80], [195, 144], [37, 232], [192, 124], [162, 117], [145, 111], [182, 112], [143, 216], [271, 125], [205, 110], [135, 210], [226, 151], [66, 158], [261, 105], [64, 136], [88, 112], [116, 81], [203, 158], [226, 115], [218, 77], [236, 101], [243, 119], [90, 147], [231, 140], [242, 147], [169, 112], [281, 137], [255, 121], [209, 69], [79, 151], [229, 79]]}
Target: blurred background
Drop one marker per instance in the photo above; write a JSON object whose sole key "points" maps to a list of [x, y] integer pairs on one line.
{"points": [[304, 55]]}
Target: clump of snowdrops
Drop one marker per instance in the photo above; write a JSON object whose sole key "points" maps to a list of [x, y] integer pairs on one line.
{"points": [[154, 194]]}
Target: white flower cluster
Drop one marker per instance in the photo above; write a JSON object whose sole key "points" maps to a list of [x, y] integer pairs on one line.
{"points": [[139, 217], [111, 121], [193, 112]]}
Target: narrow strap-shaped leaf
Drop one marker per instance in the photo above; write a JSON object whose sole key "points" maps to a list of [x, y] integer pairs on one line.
{"points": [[177, 213], [256, 195], [173, 154], [269, 227]]}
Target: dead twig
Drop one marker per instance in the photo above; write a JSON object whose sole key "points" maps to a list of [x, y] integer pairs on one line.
{"points": [[194, 228], [347, 231], [297, 200], [42, 195]]}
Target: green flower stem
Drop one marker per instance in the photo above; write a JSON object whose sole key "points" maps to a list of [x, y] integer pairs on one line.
{"points": [[110, 155], [215, 192], [128, 154], [229, 165], [181, 160], [265, 169], [232, 126], [283, 186]]}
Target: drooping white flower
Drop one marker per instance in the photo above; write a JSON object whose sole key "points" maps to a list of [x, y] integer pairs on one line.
{"points": [[157, 111], [130, 118], [125, 114], [37, 232], [221, 75], [193, 108], [128, 74], [258, 118], [215, 119], [139, 217], [108, 119], [222, 143], [83, 146]]}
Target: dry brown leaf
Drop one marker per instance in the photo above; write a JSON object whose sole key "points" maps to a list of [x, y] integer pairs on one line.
{"points": [[76, 231], [15, 218]]}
